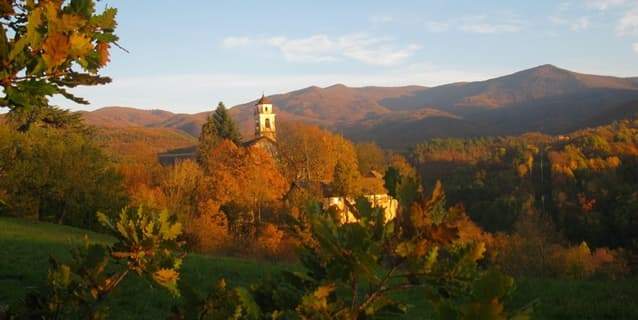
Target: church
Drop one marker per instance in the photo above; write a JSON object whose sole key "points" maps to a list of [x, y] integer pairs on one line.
{"points": [[265, 136]]}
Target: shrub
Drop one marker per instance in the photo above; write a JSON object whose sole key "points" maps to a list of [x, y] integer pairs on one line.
{"points": [[611, 264], [273, 243], [580, 262], [525, 256], [572, 262]]}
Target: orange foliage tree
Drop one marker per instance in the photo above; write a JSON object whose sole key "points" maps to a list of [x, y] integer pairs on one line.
{"points": [[309, 153], [247, 176], [243, 181]]}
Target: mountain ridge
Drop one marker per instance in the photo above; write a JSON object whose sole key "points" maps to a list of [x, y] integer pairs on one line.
{"points": [[544, 98]]}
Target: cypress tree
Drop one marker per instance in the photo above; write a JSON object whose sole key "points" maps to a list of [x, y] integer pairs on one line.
{"points": [[219, 126]]}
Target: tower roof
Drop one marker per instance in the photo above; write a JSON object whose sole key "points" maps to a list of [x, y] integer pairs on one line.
{"points": [[263, 100]]}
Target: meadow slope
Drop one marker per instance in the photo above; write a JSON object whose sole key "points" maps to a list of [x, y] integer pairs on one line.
{"points": [[25, 247]]}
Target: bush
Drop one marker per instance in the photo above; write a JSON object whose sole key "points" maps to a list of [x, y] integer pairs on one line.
{"points": [[580, 262], [610, 264], [522, 256], [274, 243], [572, 262]]}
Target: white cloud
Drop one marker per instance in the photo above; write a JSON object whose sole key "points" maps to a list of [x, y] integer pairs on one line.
{"points": [[489, 28], [490, 25], [577, 24], [604, 4], [481, 24], [317, 48], [628, 24], [322, 48]]}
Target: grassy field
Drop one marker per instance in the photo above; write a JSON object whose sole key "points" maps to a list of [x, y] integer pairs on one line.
{"points": [[25, 247]]}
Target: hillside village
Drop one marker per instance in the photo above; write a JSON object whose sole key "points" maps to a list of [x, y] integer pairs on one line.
{"points": [[265, 138]]}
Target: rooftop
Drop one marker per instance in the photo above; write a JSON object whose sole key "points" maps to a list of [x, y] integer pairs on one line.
{"points": [[263, 100]]}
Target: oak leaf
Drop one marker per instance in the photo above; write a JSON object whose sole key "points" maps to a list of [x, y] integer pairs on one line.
{"points": [[56, 50]]}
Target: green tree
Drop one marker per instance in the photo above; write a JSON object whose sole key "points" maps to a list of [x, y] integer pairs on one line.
{"points": [[47, 47], [57, 175], [219, 126]]}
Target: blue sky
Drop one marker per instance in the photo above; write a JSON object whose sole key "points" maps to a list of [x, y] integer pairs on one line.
{"points": [[185, 56]]}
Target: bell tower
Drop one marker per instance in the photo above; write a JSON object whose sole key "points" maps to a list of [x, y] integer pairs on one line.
{"points": [[265, 119]]}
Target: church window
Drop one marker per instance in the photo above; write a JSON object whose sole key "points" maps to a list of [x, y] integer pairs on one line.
{"points": [[268, 123]]}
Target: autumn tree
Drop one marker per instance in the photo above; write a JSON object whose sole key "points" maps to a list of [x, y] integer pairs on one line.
{"points": [[370, 157], [183, 188], [209, 230], [346, 180], [243, 181], [224, 165], [48, 47], [399, 162], [264, 182], [355, 270], [219, 126], [309, 153]]}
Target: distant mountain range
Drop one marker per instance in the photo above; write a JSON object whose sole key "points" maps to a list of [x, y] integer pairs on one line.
{"points": [[546, 99]]}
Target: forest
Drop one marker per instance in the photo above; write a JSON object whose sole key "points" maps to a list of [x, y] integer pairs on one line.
{"points": [[475, 217], [554, 193]]}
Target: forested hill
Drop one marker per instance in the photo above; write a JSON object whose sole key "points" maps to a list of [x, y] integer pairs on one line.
{"points": [[546, 99], [586, 181]]}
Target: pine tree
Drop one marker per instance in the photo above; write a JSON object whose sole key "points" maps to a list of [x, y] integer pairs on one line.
{"points": [[219, 126]]}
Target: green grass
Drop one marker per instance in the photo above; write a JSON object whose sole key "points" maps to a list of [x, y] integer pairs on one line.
{"points": [[25, 247], [579, 299]]}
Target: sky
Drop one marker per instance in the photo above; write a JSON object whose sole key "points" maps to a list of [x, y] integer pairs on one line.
{"points": [[186, 56]]}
